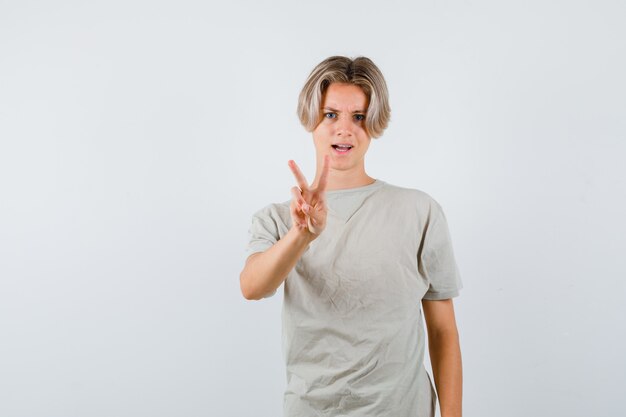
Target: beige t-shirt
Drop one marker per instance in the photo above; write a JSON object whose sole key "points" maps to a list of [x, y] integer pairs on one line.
{"points": [[353, 337]]}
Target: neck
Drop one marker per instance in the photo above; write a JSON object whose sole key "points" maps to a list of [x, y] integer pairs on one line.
{"points": [[340, 179]]}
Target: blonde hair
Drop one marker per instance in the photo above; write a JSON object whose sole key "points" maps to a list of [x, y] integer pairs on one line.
{"points": [[360, 71]]}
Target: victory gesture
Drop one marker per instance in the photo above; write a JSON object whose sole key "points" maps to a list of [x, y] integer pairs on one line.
{"points": [[308, 206]]}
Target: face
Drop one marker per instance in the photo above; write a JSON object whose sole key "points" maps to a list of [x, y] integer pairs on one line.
{"points": [[344, 108]]}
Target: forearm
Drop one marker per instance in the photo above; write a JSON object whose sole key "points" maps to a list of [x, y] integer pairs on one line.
{"points": [[265, 271], [445, 358]]}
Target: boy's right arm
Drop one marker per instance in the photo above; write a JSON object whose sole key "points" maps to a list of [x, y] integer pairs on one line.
{"points": [[265, 271]]}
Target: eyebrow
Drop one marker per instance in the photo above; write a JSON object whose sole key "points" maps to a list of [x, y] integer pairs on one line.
{"points": [[337, 111]]}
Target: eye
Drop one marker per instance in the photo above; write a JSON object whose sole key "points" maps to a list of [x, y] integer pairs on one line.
{"points": [[330, 115], [359, 117]]}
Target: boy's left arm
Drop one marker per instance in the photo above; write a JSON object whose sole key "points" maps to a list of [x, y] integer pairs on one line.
{"points": [[445, 355]]}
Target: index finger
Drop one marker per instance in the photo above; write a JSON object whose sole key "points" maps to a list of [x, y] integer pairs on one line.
{"points": [[298, 174], [321, 185]]}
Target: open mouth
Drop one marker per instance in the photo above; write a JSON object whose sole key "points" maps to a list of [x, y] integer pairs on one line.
{"points": [[342, 149]]}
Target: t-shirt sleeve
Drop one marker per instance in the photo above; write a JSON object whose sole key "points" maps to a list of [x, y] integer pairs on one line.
{"points": [[263, 233], [436, 261]]}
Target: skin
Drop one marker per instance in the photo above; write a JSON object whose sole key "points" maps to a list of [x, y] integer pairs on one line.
{"points": [[344, 107], [445, 355], [308, 206]]}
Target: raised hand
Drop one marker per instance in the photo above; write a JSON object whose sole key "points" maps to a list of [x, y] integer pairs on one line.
{"points": [[308, 206]]}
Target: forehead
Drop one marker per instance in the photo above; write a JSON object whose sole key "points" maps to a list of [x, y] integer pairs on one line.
{"points": [[345, 96]]}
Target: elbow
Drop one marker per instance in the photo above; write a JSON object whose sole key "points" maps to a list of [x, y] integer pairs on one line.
{"points": [[246, 290]]}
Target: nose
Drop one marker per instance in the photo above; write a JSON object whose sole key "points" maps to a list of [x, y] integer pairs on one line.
{"points": [[344, 126]]}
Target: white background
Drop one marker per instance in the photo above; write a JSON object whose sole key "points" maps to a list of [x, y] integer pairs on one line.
{"points": [[138, 138]]}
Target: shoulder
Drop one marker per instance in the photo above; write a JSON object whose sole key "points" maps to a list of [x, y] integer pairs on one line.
{"points": [[276, 212], [424, 201]]}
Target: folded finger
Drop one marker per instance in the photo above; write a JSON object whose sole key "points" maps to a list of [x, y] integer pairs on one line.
{"points": [[297, 196]]}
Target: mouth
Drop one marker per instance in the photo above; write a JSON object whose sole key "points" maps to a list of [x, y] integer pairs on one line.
{"points": [[342, 149]]}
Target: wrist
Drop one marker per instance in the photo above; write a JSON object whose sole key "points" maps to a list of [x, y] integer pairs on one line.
{"points": [[303, 235]]}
